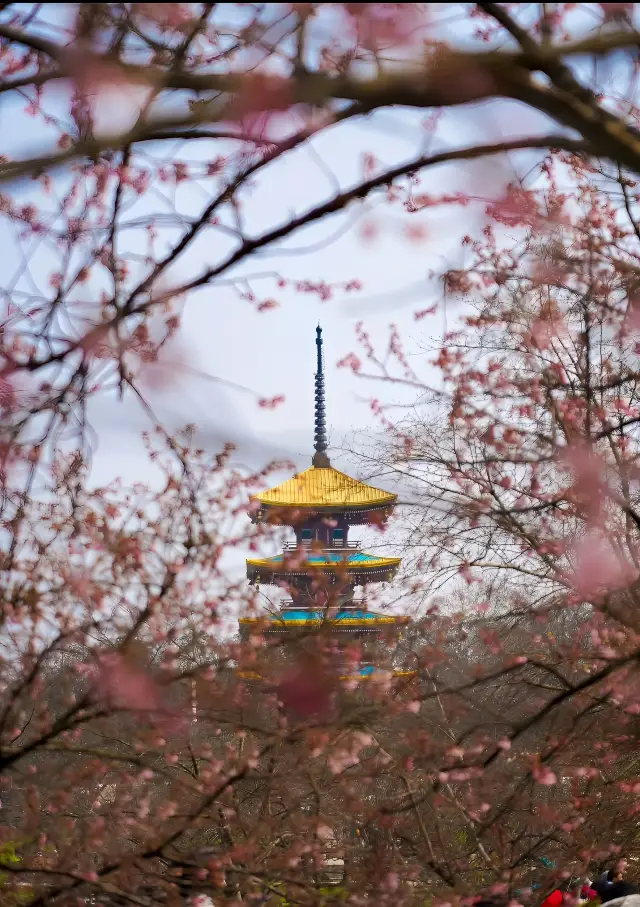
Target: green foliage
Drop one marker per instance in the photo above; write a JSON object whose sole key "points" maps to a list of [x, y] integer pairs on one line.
{"points": [[329, 896], [333, 894], [8, 853], [10, 857]]}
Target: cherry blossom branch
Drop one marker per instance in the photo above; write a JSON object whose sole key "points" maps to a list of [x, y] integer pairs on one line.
{"points": [[362, 190]]}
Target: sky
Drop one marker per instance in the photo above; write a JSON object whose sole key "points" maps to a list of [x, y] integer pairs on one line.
{"points": [[224, 341], [273, 352]]}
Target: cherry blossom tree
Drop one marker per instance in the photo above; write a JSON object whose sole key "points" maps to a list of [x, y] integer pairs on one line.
{"points": [[138, 765], [519, 474]]}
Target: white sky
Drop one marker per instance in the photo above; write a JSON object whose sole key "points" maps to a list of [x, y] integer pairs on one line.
{"points": [[274, 352]]}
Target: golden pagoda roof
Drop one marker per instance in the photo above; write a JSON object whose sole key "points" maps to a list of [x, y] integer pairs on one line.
{"points": [[324, 487]]}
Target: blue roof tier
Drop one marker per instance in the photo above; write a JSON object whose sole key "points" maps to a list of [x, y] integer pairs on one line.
{"points": [[328, 557], [327, 561], [364, 672], [371, 672], [309, 617], [309, 614]]}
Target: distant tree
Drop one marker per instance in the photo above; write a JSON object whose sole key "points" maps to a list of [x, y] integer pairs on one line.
{"points": [[519, 473]]}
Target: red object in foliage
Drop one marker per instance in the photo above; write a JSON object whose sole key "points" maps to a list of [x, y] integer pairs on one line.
{"points": [[554, 900], [308, 690]]}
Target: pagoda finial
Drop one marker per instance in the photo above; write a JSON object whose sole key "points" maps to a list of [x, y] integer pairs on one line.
{"points": [[320, 458]]}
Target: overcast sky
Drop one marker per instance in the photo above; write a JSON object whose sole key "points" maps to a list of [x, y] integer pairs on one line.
{"points": [[273, 353]]}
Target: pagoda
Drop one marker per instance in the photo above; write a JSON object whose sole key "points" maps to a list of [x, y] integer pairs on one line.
{"points": [[322, 568]]}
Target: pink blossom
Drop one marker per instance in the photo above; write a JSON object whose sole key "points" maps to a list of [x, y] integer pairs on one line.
{"points": [[340, 760], [460, 84], [361, 740], [125, 685], [324, 832], [546, 329], [597, 568], [199, 900], [351, 361], [424, 313], [416, 232], [261, 93], [517, 206], [167, 15], [271, 402], [267, 305], [589, 489], [369, 231], [544, 775], [7, 395], [92, 73], [466, 574], [392, 881], [307, 692], [616, 11]]}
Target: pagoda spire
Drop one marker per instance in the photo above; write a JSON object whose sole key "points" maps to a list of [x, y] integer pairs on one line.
{"points": [[320, 459]]}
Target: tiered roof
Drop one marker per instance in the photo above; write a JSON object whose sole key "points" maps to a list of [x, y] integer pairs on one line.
{"points": [[325, 489], [353, 563], [314, 495], [307, 617]]}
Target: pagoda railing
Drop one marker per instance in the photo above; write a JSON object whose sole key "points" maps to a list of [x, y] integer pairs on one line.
{"points": [[334, 546], [359, 604]]}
